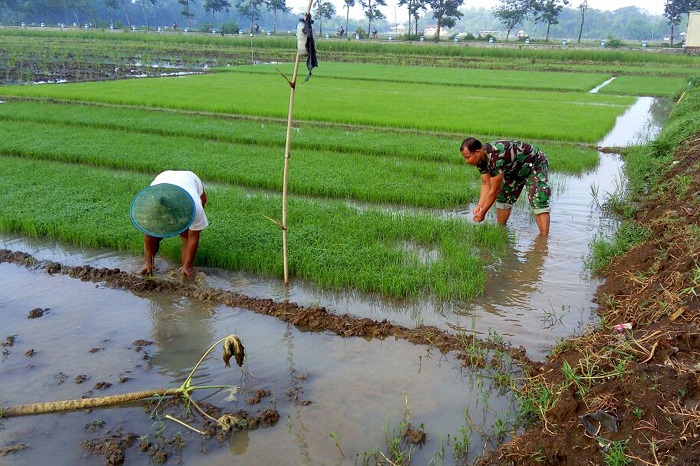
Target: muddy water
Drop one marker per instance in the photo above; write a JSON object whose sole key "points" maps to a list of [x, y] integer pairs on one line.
{"points": [[337, 398]]}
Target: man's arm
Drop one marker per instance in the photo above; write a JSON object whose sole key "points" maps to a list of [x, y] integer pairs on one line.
{"points": [[490, 187]]}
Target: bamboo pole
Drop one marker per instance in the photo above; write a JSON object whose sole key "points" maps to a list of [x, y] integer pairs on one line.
{"points": [[232, 348], [84, 403], [287, 145]]}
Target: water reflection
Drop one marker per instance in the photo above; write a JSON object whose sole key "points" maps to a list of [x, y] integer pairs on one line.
{"points": [[640, 124], [179, 331]]}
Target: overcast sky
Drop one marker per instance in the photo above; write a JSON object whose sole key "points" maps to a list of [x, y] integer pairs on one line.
{"points": [[655, 7]]}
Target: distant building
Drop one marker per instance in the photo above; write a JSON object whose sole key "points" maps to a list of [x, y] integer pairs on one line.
{"points": [[398, 29], [692, 37], [430, 31]]}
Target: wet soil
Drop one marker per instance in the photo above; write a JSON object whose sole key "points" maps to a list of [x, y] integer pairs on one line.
{"points": [[639, 386]]}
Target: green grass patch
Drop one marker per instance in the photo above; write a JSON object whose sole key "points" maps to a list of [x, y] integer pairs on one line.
{"points": [[559, 116], [340, 140], [605, 249], [652, 86], [330, 243], [466, 77], [150, 141]]}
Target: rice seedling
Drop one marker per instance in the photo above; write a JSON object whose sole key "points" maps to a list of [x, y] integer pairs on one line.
{"points": [[428, 146], [332, 244], [470, 77], [553, 115], [692, 288], [660, 86], [350, 146], [462, 443], [336, 441]]}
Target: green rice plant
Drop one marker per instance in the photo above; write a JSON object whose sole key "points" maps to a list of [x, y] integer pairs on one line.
{"points": [[534, 400], [389, 180], [399, 449], [551, 115], [382, 180], [439, 456], [469, 77], [336, 441], [658, 86], [341, 141], [334, 245], [550, 318], [281, 46], [682, 182], [462, 443], [575, 379]]}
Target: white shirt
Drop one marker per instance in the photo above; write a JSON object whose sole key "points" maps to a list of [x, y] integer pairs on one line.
{"points": [[194, 187]]}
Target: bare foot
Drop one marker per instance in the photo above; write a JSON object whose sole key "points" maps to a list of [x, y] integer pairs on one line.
{"points": [[147, 270], [188, 272]]}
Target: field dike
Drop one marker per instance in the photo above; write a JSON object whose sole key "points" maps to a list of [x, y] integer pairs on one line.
{"points": [[630, 395]]}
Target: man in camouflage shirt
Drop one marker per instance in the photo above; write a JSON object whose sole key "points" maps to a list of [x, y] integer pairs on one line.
{"points": [[506, 167]]}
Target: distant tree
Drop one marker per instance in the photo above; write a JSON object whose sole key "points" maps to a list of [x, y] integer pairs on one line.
{"points": [[511, 13], [446, 12], [347, 4], [548, 11], [277, 6], [214, 6], [371, 9], [583, 7], [111, 5], [77, 8], [250, 9], [7, 9], [126, 13], [673, 9], [186, 11], [144, 4], [323, 10], [672, 12], [414, 9]]}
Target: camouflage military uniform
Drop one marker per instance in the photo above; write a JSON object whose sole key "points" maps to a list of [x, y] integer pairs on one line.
{"points": [[521, 165]]}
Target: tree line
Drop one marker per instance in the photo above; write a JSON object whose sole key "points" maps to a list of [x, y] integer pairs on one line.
{"points": [[229, 16]]}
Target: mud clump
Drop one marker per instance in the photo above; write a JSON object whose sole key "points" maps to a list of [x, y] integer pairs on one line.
{"points": [[36, 313], [112, 447]]}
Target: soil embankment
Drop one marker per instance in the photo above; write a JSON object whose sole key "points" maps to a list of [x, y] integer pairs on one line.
{"points": [[638, 390]]}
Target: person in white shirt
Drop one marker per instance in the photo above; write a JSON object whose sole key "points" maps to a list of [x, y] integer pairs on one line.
{"points": [[191, 183]]}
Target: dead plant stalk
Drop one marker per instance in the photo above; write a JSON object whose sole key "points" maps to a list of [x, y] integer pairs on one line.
{"points": [[232, 347]]}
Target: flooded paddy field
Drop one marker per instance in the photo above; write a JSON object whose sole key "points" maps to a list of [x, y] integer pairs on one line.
{"points": [[340, 399]]}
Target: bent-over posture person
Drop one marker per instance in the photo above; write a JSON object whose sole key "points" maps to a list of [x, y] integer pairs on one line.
{"points": [[507, 167], [173, 204]]}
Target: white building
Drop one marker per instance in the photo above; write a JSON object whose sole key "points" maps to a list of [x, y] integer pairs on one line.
{"points": [[692, 37]]}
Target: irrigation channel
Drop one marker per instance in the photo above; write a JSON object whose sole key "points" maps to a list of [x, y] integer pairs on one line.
{"points": [[339, 399]]}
